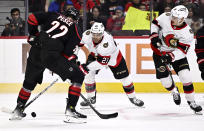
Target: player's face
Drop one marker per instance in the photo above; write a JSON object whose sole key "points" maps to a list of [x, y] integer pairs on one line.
{"points": [[176, 21], [97, 37]]}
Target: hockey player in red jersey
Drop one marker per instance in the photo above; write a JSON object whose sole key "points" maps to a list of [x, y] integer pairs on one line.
{"points": [[50, 49], [171, 38], [199, 49], [105, 53]]}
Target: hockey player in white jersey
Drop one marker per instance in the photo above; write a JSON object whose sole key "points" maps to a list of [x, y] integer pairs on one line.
{"points": [[171, 38], [105, 53]]}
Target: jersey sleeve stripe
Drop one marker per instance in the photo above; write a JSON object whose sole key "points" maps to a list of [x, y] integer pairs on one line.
{"points": [[77, 32], [156, 23], [81, 44], [119, 58], [199, 50], [200, 61], [183, 47], [32, 20]]}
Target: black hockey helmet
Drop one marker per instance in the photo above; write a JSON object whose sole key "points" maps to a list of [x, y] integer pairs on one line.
{"points": [[72, 12]]}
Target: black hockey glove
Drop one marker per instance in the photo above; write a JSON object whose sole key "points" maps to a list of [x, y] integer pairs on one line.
{"points": [[90, 59], [155, 41], [167, 58], [34, 41], [84, 69]]}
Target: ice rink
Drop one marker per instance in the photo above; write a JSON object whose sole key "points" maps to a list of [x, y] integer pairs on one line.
{"points": [[160, 114]]}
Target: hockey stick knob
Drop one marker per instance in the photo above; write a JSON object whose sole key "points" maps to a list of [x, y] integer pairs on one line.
{"points": [[158, 44]]}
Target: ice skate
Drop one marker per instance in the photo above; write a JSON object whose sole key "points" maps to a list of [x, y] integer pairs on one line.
{"points": [[176, 96], [92, 100], [136, 101], [18, 113], [195, 107], [72, 116]]}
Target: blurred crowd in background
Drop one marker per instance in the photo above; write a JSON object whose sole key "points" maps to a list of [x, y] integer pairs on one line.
{"points": [[122, 17]]}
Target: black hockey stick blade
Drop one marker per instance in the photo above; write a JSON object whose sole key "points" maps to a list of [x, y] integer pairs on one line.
{"points": [[108, 116], [102, 116]]}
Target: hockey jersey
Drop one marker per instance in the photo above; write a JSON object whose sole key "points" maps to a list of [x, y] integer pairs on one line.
{"points": [[58, 27], [199, 48], [184, 34], [107, 49]]}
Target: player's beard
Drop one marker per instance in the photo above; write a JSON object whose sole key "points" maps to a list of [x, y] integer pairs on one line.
{"points": [[97, 40]]}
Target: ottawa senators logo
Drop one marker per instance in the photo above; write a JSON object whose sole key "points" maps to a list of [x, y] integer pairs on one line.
{"points": [[105, 45], [161, 69]]}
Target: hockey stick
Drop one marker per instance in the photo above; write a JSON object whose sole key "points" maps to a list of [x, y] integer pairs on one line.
{"points": [[31, 101], [9, 111], [168, 68], [102, 116]]}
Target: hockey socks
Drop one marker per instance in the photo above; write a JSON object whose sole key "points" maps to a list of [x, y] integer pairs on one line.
{"points": [[74, 93], [91, 94], [23, 96]]}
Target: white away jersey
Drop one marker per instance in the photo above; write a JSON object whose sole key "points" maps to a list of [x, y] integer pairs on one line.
{"points": [[106, 48], [162, 25]]}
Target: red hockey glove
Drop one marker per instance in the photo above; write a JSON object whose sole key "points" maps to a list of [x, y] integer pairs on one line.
{"points": [[171, 41]]}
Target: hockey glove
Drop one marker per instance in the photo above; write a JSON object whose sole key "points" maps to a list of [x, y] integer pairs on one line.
{"points": [[84, 69], [171, 41], [90, 59], [34, 41], [155, 41], [167, 58]]}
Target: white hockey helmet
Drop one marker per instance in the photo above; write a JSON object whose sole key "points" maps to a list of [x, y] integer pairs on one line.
{"points": [[97, 28], [180, 12]]}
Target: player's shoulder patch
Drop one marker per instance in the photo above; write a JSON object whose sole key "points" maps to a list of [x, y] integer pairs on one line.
{"points": [[191, 31], [105, 45], [88, 32], [168, 14]]}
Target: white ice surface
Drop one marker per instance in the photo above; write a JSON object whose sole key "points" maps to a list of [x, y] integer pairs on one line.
{"points": [[159, 114]]}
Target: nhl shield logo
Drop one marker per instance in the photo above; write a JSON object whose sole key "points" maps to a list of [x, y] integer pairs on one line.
{"points": [[105, 45]]}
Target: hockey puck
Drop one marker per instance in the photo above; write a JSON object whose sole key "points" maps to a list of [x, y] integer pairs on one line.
{"points": [[33, 114]]}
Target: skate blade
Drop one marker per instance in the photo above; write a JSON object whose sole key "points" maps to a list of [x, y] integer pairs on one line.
{"points": [[74, 120], [198, 113]]}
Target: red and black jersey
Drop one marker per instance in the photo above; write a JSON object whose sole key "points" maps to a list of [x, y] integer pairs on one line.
{"points": [[199, 47], [58, 27]]}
